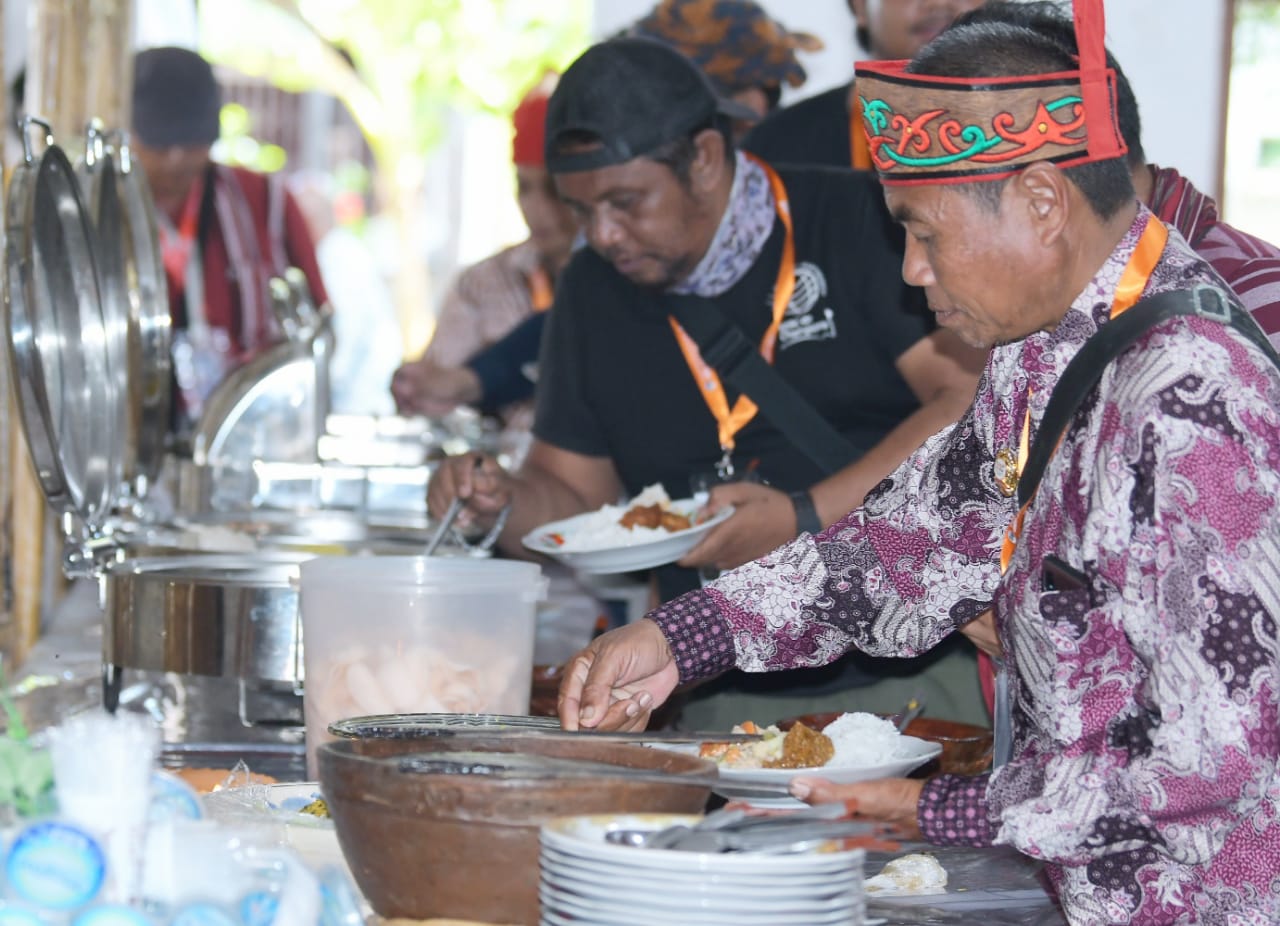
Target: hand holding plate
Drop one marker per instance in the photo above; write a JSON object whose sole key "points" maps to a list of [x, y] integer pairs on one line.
{"points": [[763, 520]]}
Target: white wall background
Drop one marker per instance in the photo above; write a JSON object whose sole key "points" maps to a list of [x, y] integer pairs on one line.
{"points": [[1171, 51]]}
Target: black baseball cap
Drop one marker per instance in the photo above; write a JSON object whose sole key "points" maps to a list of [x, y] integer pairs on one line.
{"points": [[634, 95], [176, 99]]}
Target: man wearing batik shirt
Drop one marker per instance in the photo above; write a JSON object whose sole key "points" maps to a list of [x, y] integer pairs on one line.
{"points": [[1136, 595]]}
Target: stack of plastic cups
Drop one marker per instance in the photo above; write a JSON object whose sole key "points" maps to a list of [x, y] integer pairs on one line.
{"points": [[102, 767]]}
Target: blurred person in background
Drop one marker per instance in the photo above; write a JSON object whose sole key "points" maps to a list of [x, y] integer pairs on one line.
{"points": [[367, 334], [489, 299], [823, 129], [748, 57], [745, 53], [224, 231]]}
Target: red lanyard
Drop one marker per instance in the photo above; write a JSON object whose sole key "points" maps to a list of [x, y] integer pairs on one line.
{"points": [[1132, 283], [730, 421], [175, 249]]}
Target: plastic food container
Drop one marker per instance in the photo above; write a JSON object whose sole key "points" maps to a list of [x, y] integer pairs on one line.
{"points": [[400, 634]]}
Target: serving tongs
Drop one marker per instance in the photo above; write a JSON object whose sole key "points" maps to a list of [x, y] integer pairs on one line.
{"points": [[519, 767], [620, 736], [410, 726]]}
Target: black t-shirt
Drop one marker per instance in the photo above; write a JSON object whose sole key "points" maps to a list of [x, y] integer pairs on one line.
{"points": [[812, 131], [613, 382]]}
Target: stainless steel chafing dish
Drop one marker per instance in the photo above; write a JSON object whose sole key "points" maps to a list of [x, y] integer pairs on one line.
{"points": [[262, 443], [76, 312]]}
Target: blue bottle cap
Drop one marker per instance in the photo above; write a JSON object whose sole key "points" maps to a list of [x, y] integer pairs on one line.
{"points": [[56, 866], [173, 799]]}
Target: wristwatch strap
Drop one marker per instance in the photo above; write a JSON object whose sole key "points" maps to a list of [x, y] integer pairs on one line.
{"points": [[807, 521]]}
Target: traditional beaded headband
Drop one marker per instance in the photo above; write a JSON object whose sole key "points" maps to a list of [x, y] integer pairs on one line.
{"points": [[924, 129]]}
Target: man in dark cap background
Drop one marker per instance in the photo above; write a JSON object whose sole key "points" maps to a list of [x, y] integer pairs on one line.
{"points": [[224, 231], [639, 147], [819, 130]]}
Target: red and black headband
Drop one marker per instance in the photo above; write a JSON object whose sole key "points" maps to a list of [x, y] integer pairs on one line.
{"points": [[924, 129]]}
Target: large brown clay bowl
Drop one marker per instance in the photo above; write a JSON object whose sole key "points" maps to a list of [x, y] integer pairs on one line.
{"points": [[424, 845], [966, 749]]}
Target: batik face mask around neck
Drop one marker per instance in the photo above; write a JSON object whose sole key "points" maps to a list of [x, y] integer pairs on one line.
{"points": [[741, 236]]}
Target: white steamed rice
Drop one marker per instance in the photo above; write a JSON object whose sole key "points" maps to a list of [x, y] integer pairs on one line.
{"points": [[862, 739], [600, 530]]}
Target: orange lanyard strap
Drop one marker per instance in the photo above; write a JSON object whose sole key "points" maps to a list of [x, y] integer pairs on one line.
{"points": [[1132, 284], [175, 250], [859, 147], [541, 291], [730, 421]]}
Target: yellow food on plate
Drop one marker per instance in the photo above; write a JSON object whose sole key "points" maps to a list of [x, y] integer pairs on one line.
{"points": [[317, 808]]}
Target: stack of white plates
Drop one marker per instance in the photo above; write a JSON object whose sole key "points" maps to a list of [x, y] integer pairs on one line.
{"points": [[587, 881]]}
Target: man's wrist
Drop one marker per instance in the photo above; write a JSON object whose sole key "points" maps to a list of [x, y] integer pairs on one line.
{"points": [[807, 521]]}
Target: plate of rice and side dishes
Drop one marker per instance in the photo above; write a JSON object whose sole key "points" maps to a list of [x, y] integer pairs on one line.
{"points": [[651, 530], [853, 747]]}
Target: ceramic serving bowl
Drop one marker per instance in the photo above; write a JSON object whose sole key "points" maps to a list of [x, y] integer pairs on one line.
{"points": [[434, 844]]}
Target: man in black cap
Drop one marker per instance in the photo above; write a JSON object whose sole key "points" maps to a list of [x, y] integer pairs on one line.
{"points": [[224, 231], [803, 264]]}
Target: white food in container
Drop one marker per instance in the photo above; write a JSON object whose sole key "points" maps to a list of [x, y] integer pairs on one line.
{"points": [[911, 874]]}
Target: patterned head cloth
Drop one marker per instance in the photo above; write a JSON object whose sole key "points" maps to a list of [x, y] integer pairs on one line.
{"points": [[735, 43], [925, 129]]}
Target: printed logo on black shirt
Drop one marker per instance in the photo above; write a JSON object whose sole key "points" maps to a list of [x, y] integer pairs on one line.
{"points": [[805, 320]]}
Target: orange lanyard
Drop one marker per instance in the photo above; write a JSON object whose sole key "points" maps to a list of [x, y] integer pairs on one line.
{"points": [[731, 421], [541, 292], [1132, 283], [175, 250]]}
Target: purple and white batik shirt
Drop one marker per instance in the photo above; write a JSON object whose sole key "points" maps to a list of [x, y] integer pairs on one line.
{"points": [[1147, 717]]}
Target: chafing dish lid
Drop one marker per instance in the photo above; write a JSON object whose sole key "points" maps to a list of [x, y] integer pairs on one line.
{"points": [[258, 570], [66, 366], [135, 297]]}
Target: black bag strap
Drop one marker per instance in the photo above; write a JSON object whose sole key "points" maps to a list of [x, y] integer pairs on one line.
{"points": [[728, 351], [1112, 339]]}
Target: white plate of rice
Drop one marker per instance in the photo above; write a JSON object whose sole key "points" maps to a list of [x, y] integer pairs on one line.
{"points": [[867, 747], [595, 541]]}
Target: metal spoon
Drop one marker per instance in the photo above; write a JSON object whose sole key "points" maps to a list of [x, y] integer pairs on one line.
{"points": [[450, 515], [727, 819], [775, 839], [446, 522], [515, 766], [914, 708]]}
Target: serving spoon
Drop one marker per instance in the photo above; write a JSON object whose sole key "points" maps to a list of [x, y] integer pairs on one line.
{"points": [[517, 767]]}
